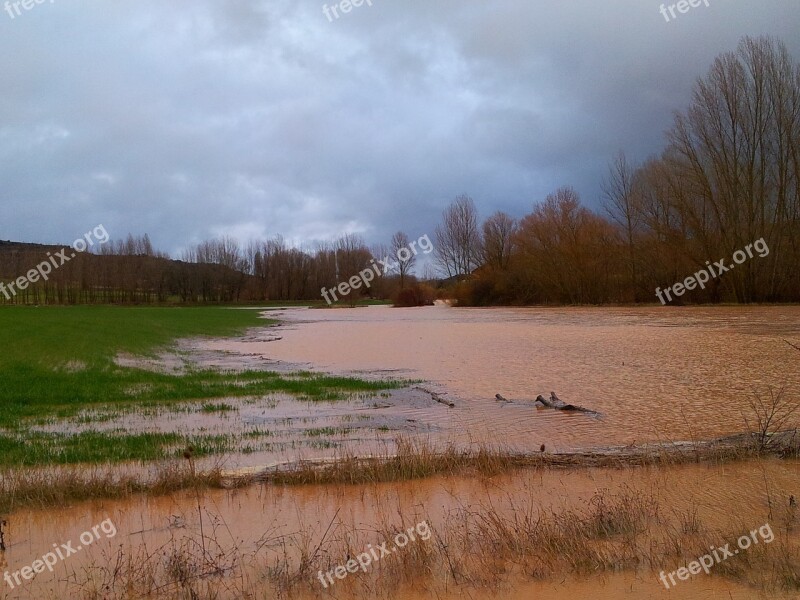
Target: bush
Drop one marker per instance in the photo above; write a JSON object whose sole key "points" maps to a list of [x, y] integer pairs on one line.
{"points": [[418, 294]]}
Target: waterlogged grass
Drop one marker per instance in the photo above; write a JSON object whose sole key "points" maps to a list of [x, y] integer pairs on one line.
{"points": [[29, 393], [58, 362], [31, 449]]}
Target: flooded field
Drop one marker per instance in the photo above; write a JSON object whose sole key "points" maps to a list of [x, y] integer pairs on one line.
{"points": [[648, 375], [246, 531], [652, 375]]}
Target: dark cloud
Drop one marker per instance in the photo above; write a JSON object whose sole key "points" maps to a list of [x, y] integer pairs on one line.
{"points": [[252, 118]]}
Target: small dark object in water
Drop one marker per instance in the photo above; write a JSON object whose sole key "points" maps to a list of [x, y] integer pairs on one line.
{"points": [[541, 448], [792, 501], [558, 404], [553, 402]]}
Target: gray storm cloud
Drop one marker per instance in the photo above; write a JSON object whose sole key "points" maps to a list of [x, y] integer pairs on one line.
{"points": [[187, 120]]}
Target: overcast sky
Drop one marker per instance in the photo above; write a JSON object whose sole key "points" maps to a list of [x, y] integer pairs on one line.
{"points": [[189, 119]]}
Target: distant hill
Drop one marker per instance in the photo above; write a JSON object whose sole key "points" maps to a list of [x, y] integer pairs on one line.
{"points": [[7, 246], [111, 278]]}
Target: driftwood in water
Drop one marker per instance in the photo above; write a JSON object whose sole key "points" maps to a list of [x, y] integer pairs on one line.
{"points": [[553, 402], [438, 397], [558, 404]]}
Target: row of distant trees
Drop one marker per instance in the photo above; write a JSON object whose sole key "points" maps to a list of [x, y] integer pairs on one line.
{"points": [[730, 175], [218, 270]]}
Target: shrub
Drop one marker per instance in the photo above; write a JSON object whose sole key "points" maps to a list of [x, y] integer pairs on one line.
{"points": [[418, 294]]}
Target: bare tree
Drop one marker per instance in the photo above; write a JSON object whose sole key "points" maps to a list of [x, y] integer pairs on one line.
{"points": [[351, 256], [458, 242], [735, 153], [620, 203], [380, 287], [770, 416], [498, 235], [566, 251], [406, 259]]}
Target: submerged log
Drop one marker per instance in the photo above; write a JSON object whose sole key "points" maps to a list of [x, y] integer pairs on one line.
{"points": [[558, 404], [553, 402], [437, 397]]}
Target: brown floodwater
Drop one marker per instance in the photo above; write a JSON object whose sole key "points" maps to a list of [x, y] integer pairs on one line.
{"points": [[257, 524], [651, 375], [654, 374]]}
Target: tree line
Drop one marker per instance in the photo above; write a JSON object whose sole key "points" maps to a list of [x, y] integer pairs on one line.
{"points": [[729, 175], [220, 270]]}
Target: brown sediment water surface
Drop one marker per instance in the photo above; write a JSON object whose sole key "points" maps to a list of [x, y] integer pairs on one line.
{"points": [[653, 374], [258, 524]]}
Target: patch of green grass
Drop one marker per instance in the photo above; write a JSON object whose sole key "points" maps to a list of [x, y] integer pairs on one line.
{"points": [[26, 392], [34, 449], [37, 449], [58, 362], [68, 337], [257, 433]]}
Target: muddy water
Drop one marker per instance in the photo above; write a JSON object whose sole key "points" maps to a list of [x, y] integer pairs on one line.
{"points": [[256, 525], [654, 374]]}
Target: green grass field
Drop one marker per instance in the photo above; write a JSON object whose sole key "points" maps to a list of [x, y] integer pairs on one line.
{"points": [[59, 361]]}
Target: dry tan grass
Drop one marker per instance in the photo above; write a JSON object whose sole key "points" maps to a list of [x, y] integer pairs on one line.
{"points": [[415, 460], [476, 549], [32, 488], [24, 488]]}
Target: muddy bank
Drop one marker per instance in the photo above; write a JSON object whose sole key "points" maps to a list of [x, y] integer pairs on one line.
{"points": [[419, 460]]}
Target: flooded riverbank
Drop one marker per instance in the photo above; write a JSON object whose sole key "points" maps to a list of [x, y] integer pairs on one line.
{"points": [[654, 376], [241, 536], [647, 375]]}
